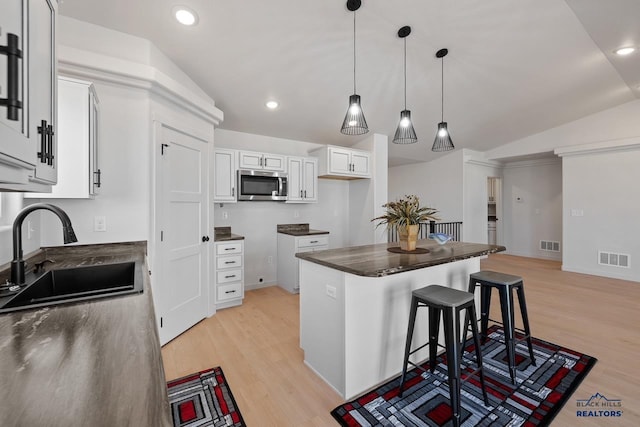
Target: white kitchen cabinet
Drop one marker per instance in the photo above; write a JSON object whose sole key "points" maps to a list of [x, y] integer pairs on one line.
{"points": [[303, 180], [79, 176], [288, 246], [342, 163], [225, 166], [229, 273], [28, 131], [266, 161]]}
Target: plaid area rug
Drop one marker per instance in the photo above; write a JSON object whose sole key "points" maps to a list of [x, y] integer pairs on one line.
{"points": [[203, 399], [538, 395]]}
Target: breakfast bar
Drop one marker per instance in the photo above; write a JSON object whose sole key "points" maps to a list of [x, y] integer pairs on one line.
{"points": [[354, 306]]}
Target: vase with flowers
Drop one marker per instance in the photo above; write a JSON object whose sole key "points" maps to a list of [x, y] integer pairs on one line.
{"points": [[406, 214]]}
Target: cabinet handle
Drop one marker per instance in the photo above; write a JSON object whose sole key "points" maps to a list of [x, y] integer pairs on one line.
{"points": [[233, 191], [261, 161], [305, 194], [229, 292], [313, 241], [50, 134], [229, 249], [229, 277], [42, 130], [300, 193], [98, 182], [13, 87], [229, 262], [265, 162]]}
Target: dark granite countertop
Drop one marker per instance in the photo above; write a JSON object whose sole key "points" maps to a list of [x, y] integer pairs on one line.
{"points": [[298, 230], [222, 234], [89, 363], [376, 261]]}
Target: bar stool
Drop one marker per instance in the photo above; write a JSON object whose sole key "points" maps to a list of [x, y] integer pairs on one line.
{"points": [[449, 302], [505, 284]]}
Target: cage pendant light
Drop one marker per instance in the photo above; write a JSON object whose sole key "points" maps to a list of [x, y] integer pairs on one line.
{"points": [[443, 138], [354, 122], [405, 133]]}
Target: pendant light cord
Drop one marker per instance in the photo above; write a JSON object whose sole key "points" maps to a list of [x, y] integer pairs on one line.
{"points": [[354, 52], [405, 73], [442, 94]]}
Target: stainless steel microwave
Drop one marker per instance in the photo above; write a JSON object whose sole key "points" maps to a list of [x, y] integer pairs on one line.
{"points": [[262, 185]]}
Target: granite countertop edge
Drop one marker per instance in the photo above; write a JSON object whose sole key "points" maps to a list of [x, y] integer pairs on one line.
{"points": [[370, 271], [303, 233], [227, 237]]}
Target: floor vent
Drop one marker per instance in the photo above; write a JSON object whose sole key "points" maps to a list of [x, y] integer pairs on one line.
{"points": [[546, 245], [616, 260]]}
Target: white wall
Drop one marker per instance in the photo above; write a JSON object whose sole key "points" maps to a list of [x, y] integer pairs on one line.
{"points": [[123, 152], [604, 186], [438, 184], [476, 170], [532, 203]]}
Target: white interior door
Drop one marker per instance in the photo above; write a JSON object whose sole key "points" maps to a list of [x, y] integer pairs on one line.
{"points": [[183, 225]]}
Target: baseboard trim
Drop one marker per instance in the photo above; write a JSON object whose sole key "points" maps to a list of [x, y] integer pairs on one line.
{"points": [[258, 286]]}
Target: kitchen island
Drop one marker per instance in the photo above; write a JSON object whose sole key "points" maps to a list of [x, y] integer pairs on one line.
{"points": [[354, 306]]}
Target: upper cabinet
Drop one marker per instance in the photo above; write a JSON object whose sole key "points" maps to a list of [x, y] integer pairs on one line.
{"points": [[224, 186], [79, 174], [303, 180], [266, 161], [342, 163], [28, 132]]}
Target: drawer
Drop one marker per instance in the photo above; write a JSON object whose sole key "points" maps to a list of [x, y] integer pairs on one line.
{"points": [[229, 276], [228, 248], [227, 292], [321, 240], [229, 262]]}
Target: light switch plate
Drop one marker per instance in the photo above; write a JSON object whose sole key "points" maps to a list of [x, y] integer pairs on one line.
{"points": [[99, 223]]}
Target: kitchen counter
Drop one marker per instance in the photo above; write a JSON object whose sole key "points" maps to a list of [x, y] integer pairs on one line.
{"points": [[92, 363], [377, 261], [298, 230], [223, 234]]}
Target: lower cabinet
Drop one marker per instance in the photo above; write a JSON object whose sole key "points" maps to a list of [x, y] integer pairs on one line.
{"points": [[229, 273], [288, 246]]}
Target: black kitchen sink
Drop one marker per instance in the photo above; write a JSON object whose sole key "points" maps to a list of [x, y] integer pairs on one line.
{"points": [[78, 284]]}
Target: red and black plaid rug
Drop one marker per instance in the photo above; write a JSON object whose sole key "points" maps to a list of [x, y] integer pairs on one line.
{"points": [[203, 399], [538, 395]]}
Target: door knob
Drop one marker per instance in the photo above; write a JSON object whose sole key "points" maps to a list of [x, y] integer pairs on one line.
{"points": [[205, 238]]}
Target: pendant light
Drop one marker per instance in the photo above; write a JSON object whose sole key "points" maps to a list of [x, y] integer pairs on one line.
{"points": [[405, 133], [443, 138], [354, 122]]}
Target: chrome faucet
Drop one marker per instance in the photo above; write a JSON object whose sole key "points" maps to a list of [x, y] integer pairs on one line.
{"points": [[18, 264]]}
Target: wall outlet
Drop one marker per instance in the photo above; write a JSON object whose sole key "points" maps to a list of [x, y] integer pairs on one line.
{"points": [[99, 223], [296, 214], [577, 212], [331, 291], [270, 260], [225, 215]]}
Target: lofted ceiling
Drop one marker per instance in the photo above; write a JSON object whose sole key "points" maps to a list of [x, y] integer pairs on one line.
{"points": [[514, 68]]}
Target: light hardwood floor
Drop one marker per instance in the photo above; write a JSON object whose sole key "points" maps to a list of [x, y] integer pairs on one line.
{"points": [[257, 346]]}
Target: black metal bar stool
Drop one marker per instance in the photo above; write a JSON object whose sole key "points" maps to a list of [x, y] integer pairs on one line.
{"points": [[505, 284], [449, 302]]}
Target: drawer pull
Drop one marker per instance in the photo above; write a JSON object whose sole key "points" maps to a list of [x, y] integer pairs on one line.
{"points": [[229, 277], [314, 241], [229, 262], [230, 292], [229, 249]]}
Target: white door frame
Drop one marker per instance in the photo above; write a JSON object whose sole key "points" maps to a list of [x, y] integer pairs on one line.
{"points": [[160, 121]]}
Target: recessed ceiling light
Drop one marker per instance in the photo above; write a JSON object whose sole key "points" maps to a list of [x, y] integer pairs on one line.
{"points": [[272, 105], [185, 16], [623, 51]]}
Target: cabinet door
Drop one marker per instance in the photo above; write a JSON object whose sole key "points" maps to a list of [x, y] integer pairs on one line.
{"points": [[273, 162], [225, 176], [43, 87], [360, 163], [14, 131], [250, 160], [339, 160], [294, 182], [310, 180]]}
